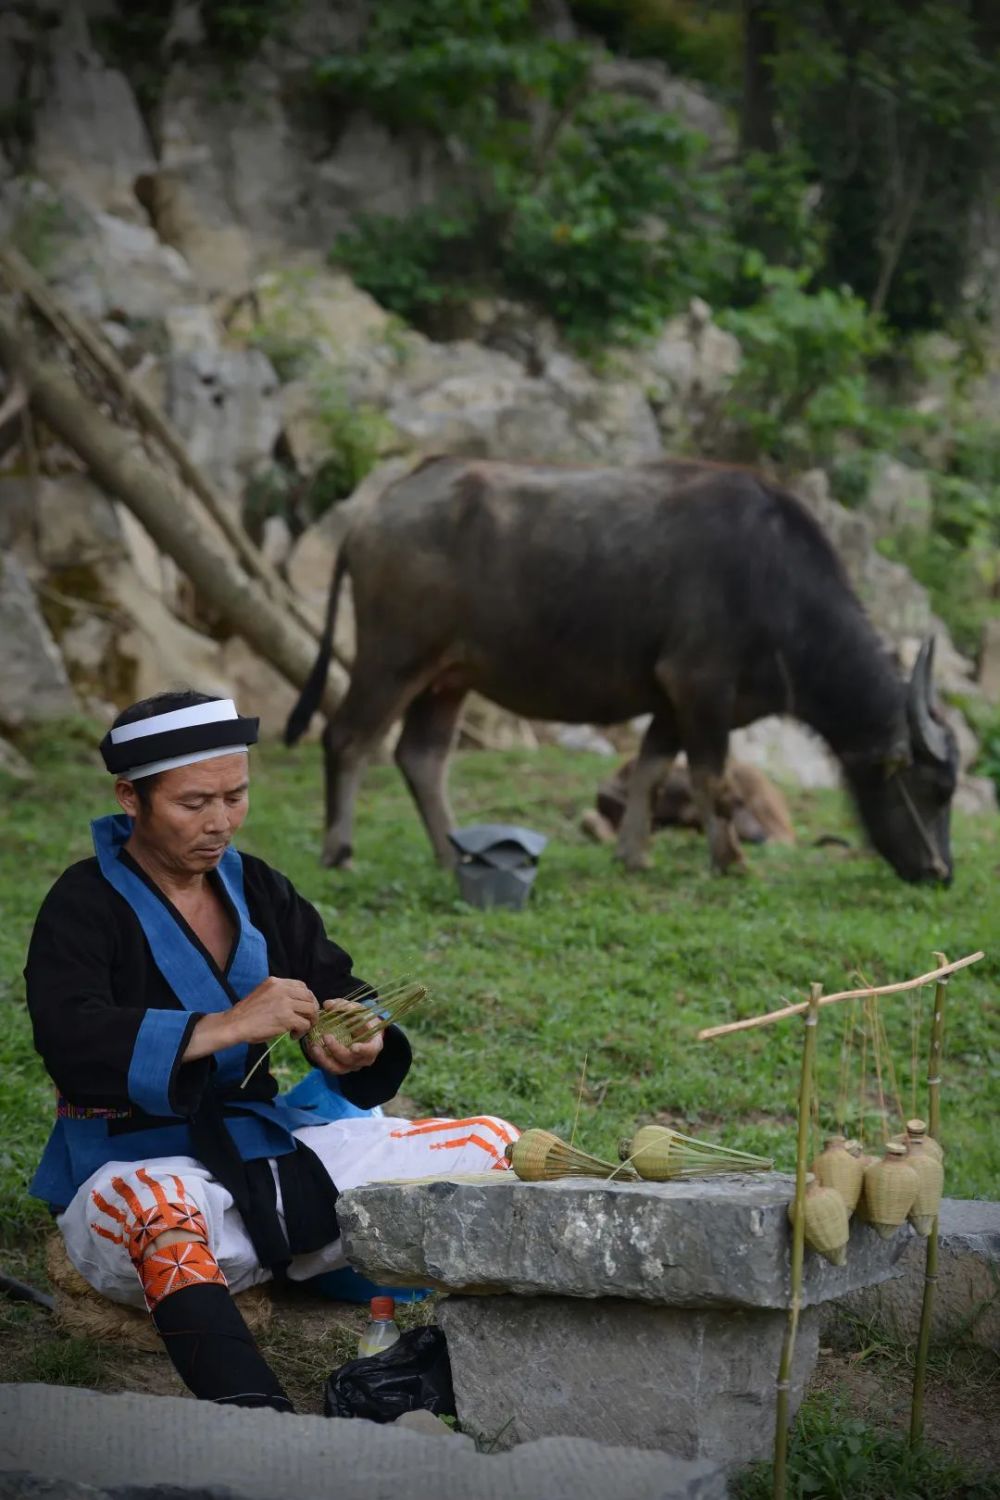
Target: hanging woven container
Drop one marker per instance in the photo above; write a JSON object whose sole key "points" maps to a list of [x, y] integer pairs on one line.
{"points": [[890, 1190], [826, 1222], [916, 1130], [540, 1156], [930, 1178], [836, 1168]]}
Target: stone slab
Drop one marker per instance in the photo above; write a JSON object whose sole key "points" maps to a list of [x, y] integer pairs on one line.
{"points": [[719, 1241], [134, 1447], [967, 1295], [700, 1384]]}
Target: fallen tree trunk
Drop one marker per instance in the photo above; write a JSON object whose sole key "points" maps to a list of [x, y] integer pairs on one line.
{"points": [[170, 519], [75, 329]]}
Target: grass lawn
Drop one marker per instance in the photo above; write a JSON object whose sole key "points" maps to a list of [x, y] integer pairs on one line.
{"points": [[621, 968]]}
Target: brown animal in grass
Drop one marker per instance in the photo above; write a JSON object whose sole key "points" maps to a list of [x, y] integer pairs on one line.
{"points": [[759, 811], [703, 595]]}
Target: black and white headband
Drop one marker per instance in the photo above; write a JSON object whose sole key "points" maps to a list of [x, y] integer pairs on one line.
{"points": [[181, 737]]}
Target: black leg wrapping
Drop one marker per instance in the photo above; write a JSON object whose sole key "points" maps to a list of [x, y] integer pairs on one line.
{"points": [[213, 1350]]}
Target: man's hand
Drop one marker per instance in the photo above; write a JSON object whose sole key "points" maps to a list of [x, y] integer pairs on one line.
{"points": [[274, 1007], [332, 1056]]}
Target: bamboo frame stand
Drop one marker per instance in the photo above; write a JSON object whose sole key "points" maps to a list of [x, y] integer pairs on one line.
{"points": [[931, 1263], [798, 1245]]}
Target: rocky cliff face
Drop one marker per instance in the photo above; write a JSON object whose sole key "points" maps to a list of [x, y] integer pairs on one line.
{"points": [[194, 237]]}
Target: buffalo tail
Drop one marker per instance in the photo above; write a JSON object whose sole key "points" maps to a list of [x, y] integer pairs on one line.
{"points": [[309, 700]]}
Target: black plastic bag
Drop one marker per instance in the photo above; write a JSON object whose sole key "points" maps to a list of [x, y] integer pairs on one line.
{"points": [[413, 1374]]}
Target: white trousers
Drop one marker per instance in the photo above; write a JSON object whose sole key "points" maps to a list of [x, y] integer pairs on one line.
{"points": [[96, 1225]]}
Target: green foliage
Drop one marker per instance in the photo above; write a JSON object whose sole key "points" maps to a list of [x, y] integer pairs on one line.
{"points": [[804, 377], [416, 267], [833, 1456], [620, 230], [355, 434], [38, 223], [986, 723], [131, 36], [694, 39], [895, 105], [598, 210], [459, 67], [236, 29]]}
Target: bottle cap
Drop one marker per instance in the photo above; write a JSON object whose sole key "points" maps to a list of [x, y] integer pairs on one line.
{"points": [[895, 1149], [916, 1127], [383, 1307]]}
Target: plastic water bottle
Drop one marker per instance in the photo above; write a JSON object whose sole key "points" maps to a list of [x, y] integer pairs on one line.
{"points": [[381, 1332]]}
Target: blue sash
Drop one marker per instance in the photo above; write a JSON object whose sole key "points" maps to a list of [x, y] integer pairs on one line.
{"points": [[77, 1147]]}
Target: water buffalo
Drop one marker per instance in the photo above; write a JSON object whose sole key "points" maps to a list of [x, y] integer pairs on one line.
{"points": [[700, 594]]}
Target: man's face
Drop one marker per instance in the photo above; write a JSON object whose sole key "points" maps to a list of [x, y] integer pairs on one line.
{"points": [[193, 812]]}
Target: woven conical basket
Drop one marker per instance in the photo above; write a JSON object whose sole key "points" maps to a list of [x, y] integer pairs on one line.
{"points": [[890, 1190], [826, 1227], [930, 1178], [836, 1168], [85, 1313]]}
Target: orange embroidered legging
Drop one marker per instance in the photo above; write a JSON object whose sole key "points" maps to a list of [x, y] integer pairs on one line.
{"points": [[187, 1259]]}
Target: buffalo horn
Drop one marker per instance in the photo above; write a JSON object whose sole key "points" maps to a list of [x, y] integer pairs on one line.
{"points": [[927, 728]]}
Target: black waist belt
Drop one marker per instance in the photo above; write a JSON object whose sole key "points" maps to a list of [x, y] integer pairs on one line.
{"points": [[308, 1197]]}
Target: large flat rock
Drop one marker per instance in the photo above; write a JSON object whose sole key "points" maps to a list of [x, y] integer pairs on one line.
{"points": [[57, 1443], [966, 1305], [714, 1242]]}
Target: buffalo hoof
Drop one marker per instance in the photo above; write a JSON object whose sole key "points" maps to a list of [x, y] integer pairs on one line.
{"points": [[341, 857], [635, 860]]}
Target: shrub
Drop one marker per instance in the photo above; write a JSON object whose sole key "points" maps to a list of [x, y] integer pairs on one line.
{"points": [[804, 374]]}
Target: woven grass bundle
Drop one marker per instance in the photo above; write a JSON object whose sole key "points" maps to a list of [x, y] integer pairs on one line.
{"points": [[86, 1314], [890, 1190], [348, 1027], [660, 1154], [361, 1026], [836, 1168], [930, 1177], [826, 1222], [540, 1156]]}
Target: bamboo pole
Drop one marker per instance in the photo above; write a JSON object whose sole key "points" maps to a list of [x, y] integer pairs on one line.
{"points": [[798, 1245], [931, 1262], [943, 970]]}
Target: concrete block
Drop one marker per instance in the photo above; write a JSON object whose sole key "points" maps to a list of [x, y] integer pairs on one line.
{"points": [[58, 1444], [714, 1242], [698, 1384], [967, 1294]]}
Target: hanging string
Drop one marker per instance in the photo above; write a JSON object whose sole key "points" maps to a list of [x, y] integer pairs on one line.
{"points": [[877, 1053], [864, 1076], [890, 1068], [844, 1078]]}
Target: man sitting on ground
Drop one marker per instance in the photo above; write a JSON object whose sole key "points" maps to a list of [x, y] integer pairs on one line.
{"points": [[158, 972]]}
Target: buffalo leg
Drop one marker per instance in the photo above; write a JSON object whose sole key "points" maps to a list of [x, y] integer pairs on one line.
{"points": [[422, 757], [707, 747], [658, 748], [349, 741]]}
